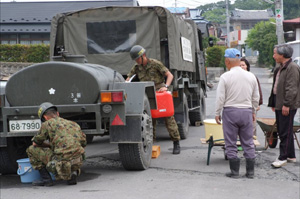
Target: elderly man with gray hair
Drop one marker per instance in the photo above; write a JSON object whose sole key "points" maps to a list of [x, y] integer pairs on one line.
{"points": [[237, 96], [284, 100]]}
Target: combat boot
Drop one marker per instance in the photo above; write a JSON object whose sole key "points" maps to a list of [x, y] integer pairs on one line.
{"points": [[176, 148], [73, 180], [250, 167], [46, 179], [234, 165]]}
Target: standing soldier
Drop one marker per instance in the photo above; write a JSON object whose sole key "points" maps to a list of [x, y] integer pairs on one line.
{"points": [[57, 148], [148, 69]]}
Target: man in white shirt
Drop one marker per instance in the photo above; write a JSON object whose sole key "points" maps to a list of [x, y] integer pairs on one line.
{"points": [[237, 96]]}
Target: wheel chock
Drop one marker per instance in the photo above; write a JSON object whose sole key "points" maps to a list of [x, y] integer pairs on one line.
{"points": [[155, 151]]}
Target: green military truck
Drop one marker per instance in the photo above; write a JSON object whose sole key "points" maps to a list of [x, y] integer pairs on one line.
{"points": [[105, 36], [85, 80]]}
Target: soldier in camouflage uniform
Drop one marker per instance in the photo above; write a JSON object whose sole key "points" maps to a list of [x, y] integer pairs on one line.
{"points": [[57, 148], [148, 69]]}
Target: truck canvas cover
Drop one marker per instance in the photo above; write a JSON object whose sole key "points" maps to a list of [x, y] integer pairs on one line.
{"points": [[105, 36]]}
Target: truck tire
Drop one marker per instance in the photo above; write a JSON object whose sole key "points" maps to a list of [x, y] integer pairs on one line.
{"points": [[137, 156], [183, 127], [198, 115], [15, 150]]}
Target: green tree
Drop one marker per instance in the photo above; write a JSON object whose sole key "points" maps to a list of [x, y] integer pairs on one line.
{"points": [[206, 41], [291, 9], [263, 38], [217, 15], [215, 56], [252, 5]]}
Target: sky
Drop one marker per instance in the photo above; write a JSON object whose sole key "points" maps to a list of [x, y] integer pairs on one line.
{"points": [[164, 3]]}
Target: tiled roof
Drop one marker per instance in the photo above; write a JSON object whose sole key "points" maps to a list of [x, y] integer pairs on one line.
{"points": [[29, 28], [39, 12], [292, 21], [26, 17], [238, 14]]}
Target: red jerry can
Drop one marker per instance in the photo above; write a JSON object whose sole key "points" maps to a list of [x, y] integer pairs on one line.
{"points": [[165, 106]]}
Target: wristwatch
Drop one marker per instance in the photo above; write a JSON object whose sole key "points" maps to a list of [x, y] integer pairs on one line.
{"points": [[166, 86]]}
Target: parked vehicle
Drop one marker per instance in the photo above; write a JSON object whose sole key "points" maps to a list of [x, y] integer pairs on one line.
{"points": [[76, 83]]}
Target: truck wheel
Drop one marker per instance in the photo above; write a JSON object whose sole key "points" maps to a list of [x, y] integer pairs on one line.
{"points": [[15, 150], [198, 115], [183, 127], [137, 156]]}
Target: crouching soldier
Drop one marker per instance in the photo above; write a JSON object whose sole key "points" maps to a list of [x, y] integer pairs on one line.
{"points": [[57, 148]]}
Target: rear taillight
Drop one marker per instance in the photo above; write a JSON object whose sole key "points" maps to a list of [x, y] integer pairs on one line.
{"points": [[115, 96]]}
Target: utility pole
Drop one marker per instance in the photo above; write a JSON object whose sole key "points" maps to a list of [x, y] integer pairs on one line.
{"points": [[279, 21], [227, 24]]}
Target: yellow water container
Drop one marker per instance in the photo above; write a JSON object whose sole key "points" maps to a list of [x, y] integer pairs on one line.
{"points": [[214, 129]]}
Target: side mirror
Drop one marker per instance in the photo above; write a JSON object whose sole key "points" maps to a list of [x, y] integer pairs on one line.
{"points": [[211, 42]]}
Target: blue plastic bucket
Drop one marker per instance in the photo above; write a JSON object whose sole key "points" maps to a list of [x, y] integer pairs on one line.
{"points": [[26, 172]]}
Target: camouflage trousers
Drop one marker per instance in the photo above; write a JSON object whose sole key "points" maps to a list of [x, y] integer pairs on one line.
{"points": [[171, 126], [43, 157]]}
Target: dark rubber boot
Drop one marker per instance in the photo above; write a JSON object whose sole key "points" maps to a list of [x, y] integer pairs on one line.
{"points": [[234, 165], [46, 179], [176, 148], [250, 168], [73, 180]]}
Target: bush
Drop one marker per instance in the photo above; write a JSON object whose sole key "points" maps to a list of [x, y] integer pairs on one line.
{"points": [[24, 53], [215, 56]]}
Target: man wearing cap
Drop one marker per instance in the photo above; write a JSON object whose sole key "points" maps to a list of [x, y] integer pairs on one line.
{"points": [[57, 148], [148, 69], [237, 96]]}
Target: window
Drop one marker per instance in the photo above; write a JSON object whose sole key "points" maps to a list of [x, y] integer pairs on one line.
{"points": [[245, 27], [28, 39], [8, 38], [25, 42]]}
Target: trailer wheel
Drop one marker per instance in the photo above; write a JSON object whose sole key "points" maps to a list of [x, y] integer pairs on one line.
{"points": [[183, 127], [16, 149], [137, 156], [198, 115]]}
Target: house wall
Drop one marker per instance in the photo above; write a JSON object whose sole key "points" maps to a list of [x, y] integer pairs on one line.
{"points": [[296, 47]]}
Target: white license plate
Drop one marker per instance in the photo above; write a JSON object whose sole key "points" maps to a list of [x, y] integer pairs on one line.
{"points": [[24, 125]]}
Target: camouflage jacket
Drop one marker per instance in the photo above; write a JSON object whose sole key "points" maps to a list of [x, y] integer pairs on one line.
{"points": [[154, 71], [66, 138]]}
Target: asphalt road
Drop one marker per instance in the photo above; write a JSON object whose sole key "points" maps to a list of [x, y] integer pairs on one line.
{"points": [[174, 176]]}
